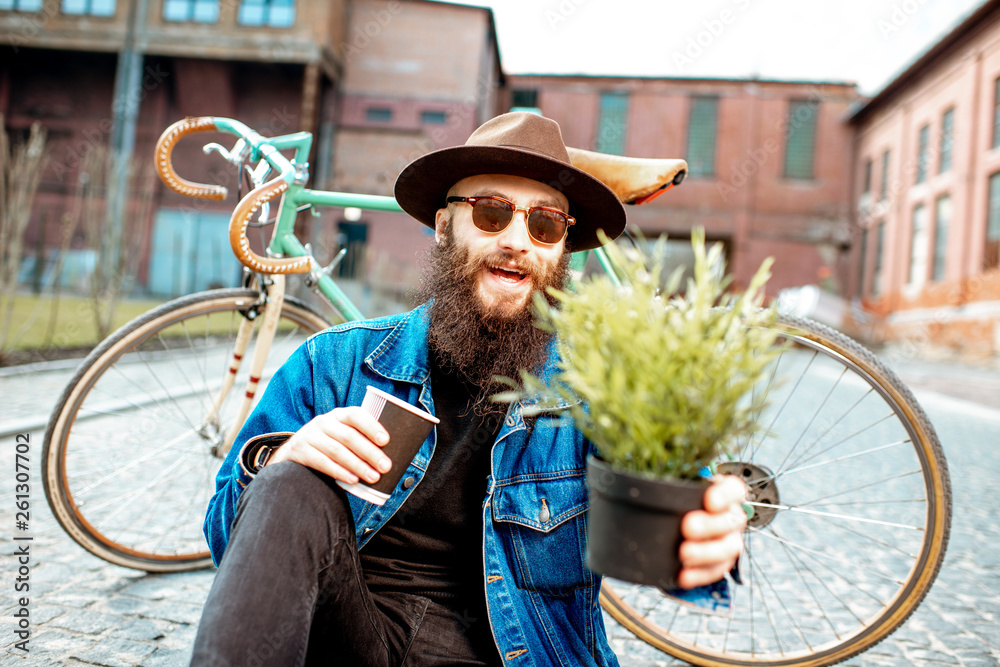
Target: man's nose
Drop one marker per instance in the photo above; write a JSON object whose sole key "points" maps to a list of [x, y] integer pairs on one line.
{"points": [[516, 238]]}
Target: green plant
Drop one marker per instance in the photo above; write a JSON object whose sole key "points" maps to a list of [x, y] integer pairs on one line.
{"points": [[661, 386]]}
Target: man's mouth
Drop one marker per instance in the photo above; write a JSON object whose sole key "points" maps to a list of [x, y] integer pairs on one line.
{"points": [[508, 274]]}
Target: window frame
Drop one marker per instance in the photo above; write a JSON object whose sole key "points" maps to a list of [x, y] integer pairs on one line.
{"points": [[919, 246], [797, 167], [991, 245], [89, 9], [433, 117], [15, 6], [884, 176], [379, 114], [192, 6], [996, 114], [266, 7], [612, 122], [939, 252], [946, 142], [879, 264], [519, 97], [705, 144], [923, 142]]}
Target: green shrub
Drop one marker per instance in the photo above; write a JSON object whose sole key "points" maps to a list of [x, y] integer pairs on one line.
{"points": [[660, 385]]}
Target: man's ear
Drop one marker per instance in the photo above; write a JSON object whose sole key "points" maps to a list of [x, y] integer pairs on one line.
{"points": [[441, 220]]}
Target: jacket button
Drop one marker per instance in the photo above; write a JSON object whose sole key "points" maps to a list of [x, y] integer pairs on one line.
{"points": [[367, 530], [510, 421], [543, 516], [408, 482]]}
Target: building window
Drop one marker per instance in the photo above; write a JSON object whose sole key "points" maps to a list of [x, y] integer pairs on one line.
{"points": [[884, 185], [378, 114], [996, 113], [22, 5], [612, 123], [947, 140], [354, 237], [198, 11], [703, 122], [428, 117], [863, 261], [879, 249], [89, 7], [800, 138], [868, 177], [272, 13], [525, 98], [942, 216], [925, 133], [991, 254], [918, 247]]}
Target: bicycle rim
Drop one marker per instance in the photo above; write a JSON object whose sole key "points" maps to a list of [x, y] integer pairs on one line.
{"points": [[129, 459], [853, 509]]}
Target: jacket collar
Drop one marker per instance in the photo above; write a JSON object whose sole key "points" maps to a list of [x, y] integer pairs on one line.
{"points": [[403, 355]]}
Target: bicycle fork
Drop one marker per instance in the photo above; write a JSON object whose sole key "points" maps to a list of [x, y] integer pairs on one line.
{"points": [[273, 299]]}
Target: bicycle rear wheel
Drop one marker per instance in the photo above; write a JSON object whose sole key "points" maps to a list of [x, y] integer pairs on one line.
{"points": [[853, 509], [129, 458]]}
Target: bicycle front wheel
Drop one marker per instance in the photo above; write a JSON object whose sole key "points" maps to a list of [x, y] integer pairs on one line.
{"points": [[853, 508], [132, 448]]}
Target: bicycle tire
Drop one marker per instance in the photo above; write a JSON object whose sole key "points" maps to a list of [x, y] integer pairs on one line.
{"points": [[128, 465], [793, 608]]}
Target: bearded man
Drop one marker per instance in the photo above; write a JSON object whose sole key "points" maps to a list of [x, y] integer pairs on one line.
{"points": [[477, 557]]}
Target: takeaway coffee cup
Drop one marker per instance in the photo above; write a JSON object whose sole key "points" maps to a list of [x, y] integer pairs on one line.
{"points": [[408, 426]]}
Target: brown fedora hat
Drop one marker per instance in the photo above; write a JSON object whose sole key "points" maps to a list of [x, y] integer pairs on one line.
{"points": [[514, 144]]}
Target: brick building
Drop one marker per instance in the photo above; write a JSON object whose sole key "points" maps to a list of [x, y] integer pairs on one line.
{"points": [[768, 160], [893, 199], [926, 189], [272, 64], [360, 75], [405, 92]]}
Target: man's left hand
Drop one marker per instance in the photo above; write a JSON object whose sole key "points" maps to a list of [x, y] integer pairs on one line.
{"points": [[713, 537]]}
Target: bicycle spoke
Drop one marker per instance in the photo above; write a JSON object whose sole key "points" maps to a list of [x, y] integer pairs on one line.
{"points": [[840, 459], [788, 397], [137, 492], [852, 436], [798, 565], [767, 610], [859, 487], [871, 538], [812, 552], [831, 515], [156, 451], [201, 366], [819, 408]]}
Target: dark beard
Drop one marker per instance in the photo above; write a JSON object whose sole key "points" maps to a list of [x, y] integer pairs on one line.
{"points": [[471, 342]]}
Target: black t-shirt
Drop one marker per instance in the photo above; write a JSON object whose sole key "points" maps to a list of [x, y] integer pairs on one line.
{"points": [[433, 545]]}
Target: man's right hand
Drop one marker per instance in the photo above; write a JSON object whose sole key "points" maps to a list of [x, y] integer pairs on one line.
{"points": [[345, 443]]}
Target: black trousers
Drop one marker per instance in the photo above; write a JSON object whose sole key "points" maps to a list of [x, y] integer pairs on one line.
{"points": [[290, 589]]}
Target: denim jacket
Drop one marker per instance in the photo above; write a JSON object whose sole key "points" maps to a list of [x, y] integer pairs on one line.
{"points": [[542, 599]]}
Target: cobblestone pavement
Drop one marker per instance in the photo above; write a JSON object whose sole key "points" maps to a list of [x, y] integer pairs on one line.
{"points": [[86, 611]]}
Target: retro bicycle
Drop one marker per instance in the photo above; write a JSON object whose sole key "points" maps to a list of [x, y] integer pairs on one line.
{"points": [[849, 482]]}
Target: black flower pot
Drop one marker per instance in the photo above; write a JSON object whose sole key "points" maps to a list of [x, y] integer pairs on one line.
{"points": [[634, 523]]}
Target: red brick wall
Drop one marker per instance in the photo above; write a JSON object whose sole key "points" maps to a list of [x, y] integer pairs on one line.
{"points": [[747, 203]]}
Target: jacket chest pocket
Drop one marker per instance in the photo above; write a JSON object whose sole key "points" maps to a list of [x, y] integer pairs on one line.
{"points": [[543, 526]]}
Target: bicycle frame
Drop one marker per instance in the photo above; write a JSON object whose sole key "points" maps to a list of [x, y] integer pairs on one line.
{"points": [[284, 243]]}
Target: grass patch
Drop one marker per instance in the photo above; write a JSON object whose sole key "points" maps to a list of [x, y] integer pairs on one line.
{"points": [[36, 325]]}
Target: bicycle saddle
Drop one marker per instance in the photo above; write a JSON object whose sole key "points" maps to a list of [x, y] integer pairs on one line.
{"points": [[635, 180]]}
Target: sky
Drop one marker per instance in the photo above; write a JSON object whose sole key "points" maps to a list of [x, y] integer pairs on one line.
{"points": [[866, 42]]}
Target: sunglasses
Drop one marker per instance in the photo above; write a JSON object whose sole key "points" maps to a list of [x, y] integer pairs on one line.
{"points": [[490, 214]]}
